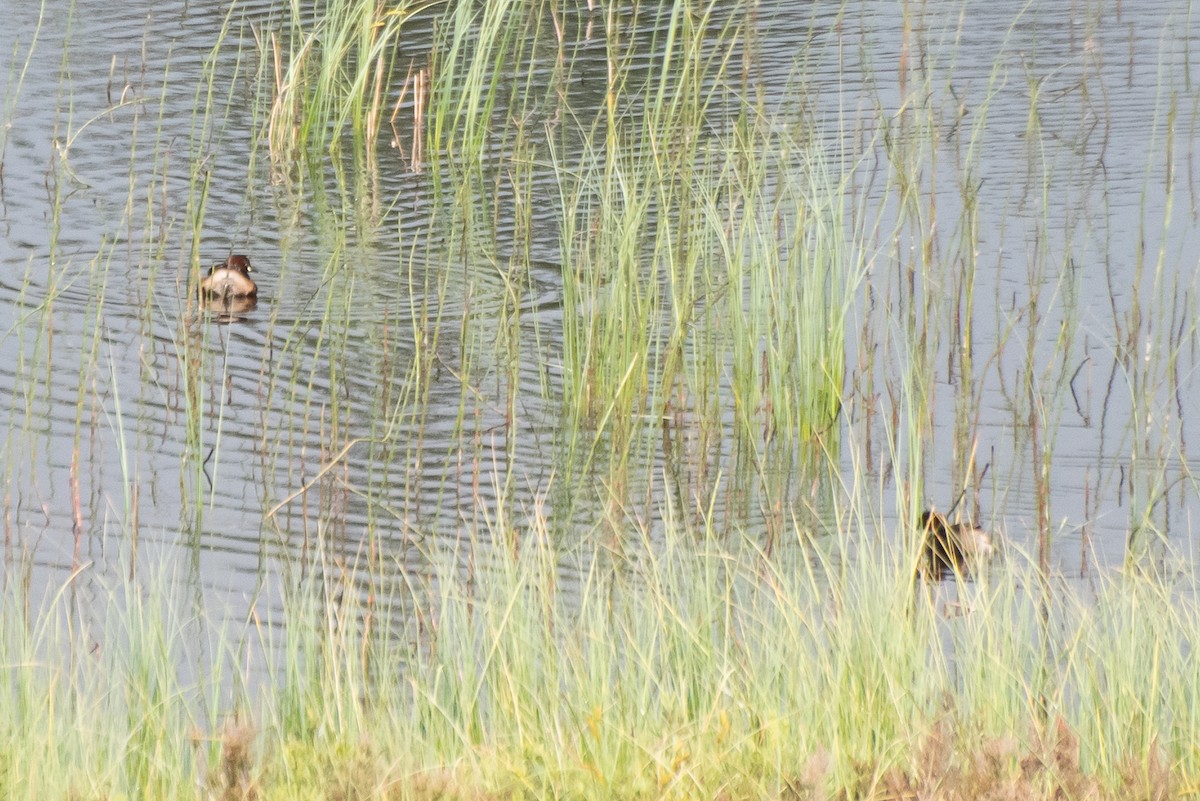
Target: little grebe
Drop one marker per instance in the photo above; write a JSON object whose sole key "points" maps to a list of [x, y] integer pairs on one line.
{"points": [[951, 547], [229, 279]]}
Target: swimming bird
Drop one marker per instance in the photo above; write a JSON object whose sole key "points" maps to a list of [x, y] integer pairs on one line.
{"points": [[229, 279], [948, 548]]}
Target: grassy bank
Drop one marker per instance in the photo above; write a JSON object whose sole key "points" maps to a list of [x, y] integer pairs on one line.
{"points": [[676, 671]]}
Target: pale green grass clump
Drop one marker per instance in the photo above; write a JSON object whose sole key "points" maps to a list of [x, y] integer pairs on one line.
{"points": [[682, 671]]}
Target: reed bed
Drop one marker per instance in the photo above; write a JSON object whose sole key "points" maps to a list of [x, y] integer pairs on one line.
{"points": [[683, 669], [711, 588]]}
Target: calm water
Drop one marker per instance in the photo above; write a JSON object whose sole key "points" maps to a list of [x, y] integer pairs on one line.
{"points": [[1076, 124]]}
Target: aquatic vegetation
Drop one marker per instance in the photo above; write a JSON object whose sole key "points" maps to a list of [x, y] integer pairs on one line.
{"points": [[673, 671], [610, 355]]}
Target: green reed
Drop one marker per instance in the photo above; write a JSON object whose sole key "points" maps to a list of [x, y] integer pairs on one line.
{"points": [[674, 670], [710, 274], [330, 74], [698, 256]]}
